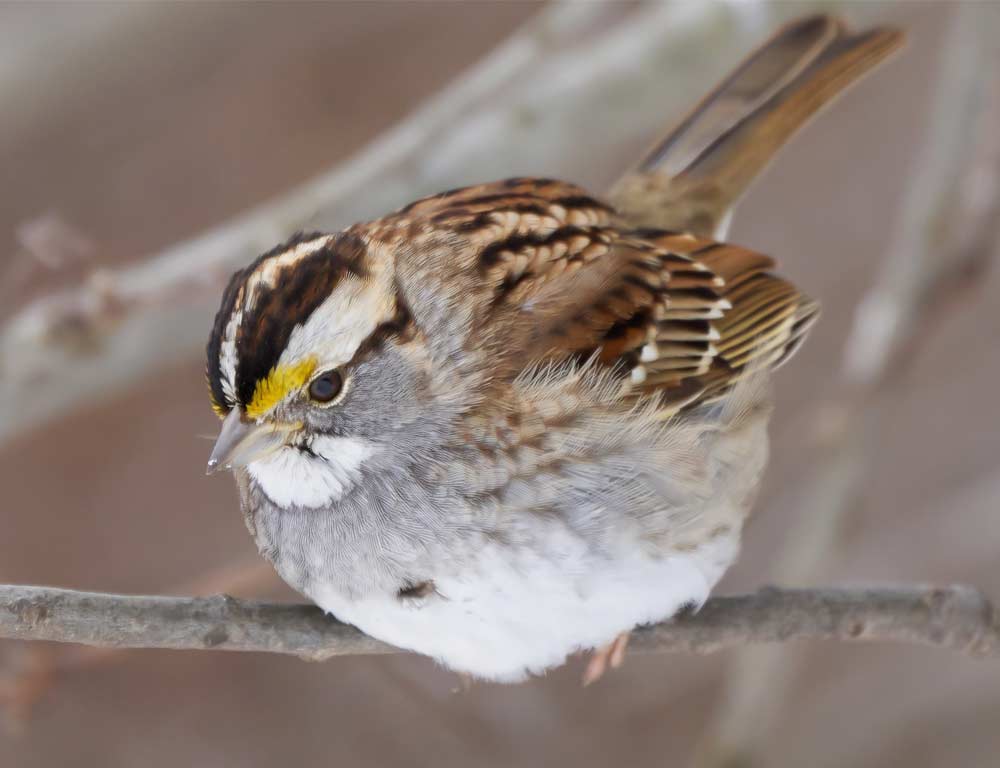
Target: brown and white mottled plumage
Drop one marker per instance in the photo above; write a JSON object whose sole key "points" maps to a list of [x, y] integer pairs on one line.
{"points": [[545, 272], [513, 420]]}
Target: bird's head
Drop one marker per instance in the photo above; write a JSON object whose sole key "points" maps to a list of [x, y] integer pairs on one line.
{"points": [[305, 345]]}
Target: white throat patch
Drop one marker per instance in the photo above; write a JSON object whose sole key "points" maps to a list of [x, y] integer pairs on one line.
{"points": [[291, 477]]}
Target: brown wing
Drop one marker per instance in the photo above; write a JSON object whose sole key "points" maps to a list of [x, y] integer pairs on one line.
{"points": [[724, 313], [557, 276]]}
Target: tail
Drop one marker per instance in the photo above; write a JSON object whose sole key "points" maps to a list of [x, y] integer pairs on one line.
{"points": [[691, 179]]}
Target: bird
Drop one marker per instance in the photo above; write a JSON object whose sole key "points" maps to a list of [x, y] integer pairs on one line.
{"points": [[514, 421]]}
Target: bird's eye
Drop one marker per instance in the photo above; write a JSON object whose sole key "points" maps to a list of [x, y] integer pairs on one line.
{"points": [[325, 388]]}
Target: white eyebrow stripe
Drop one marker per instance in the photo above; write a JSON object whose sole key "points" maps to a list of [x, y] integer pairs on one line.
{"points": [[227, 357], [341, 324]]}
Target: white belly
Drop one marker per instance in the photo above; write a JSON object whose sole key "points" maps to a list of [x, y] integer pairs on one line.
{"points": [[508, 618]]}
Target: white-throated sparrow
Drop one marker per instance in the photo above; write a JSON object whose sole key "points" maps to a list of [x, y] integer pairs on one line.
{"points": [[512, 421]]}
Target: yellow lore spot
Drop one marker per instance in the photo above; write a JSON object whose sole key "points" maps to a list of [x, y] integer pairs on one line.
{"points": [[278, 384]]}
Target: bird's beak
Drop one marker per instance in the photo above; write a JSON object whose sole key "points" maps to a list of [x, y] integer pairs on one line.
{"points": [[240, 442]]}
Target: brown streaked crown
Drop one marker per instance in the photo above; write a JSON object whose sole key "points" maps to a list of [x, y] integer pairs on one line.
{"points": [[275, 294]]}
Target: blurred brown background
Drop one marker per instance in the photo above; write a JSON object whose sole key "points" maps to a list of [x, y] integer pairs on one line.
{"points": [[142, 124]]}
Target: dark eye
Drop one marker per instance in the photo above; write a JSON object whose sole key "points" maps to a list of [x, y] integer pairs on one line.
{"points": [[326, 387]]}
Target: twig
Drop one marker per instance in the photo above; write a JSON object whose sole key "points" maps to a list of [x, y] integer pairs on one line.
{"points": [[248, 576], [28, 675], [959, 618]]}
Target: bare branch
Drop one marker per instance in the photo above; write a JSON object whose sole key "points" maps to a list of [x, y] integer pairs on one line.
{"points": [[957, 617], [28, 675], [549, 101]]}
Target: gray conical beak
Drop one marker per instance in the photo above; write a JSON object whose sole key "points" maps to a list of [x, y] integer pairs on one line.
{"points": [[241, 442]]}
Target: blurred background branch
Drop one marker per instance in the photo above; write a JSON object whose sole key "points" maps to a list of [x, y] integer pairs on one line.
{"points": [[945, 234], [957, 617], [566, 73]]}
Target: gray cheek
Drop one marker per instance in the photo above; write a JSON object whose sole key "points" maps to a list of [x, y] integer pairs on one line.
{"points": [[382, 394]]}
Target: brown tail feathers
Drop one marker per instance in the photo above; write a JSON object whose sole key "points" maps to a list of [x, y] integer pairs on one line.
{"points": [[690, 180]]}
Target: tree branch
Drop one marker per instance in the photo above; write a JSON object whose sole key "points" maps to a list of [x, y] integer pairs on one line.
{"points": [[959, 618], [549, 101]]}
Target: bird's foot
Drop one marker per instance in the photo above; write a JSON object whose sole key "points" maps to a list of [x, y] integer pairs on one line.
{"points": [[610, 655]]}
